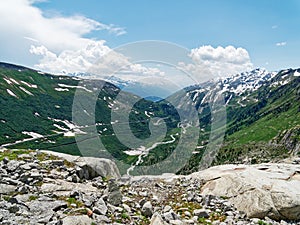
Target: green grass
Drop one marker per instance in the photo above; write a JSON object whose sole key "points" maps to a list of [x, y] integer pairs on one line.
{"points": [[266, 128], [12, 154], [32, 197]]}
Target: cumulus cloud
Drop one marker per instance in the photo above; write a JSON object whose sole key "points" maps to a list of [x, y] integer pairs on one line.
{"points": [[96, 58], [281, 44], [210, 62], [58, 43], [22, 24], [69, 61]]}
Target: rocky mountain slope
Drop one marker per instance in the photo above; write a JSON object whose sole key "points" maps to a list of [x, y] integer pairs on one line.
{"points": [[51, 188]]}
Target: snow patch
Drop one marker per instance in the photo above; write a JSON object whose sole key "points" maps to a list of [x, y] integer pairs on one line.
{"points": [[7, 81], [32, 134], [61, 89], [133, 152], [73, 133], [26, 91], [146, 113], [28, 84], [11, 93], [14, 81], [86, 112], [66, 122], [69, 86], [61, 128], [296, 74]]}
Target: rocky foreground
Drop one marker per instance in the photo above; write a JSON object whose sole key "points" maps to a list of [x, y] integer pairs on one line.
{"points": [[50, 188]]}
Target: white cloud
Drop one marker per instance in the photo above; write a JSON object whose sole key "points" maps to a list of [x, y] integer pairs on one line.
{"points": [[69, 61], [58, 42], [95, 58], [22, 24], [210, 62], [281, 44]]}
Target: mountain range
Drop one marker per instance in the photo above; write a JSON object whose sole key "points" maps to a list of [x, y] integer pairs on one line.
{"points": [[262, 116]]}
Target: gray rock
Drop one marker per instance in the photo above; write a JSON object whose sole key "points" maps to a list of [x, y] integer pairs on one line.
{"points": [[7, 189], [100, 207], [77, 220], [114, 195], [14, 208], [202, 213], [92, 167], [64, 186], [167, 208], [43, 207], [88, 200], [258, 190], [101, 219], [126, 207], [56, 222], [57, 162], [157, 220], [176, 222], [12, 165], [8, 180], [170, 215], [5, 160], [147, 209]]}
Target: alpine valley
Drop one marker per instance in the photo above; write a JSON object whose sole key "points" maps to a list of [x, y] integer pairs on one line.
{"points": [[71, 149], [262, 111]]}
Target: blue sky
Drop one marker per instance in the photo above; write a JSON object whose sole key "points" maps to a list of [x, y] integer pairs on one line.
{"points": [[255, 25], [223, 37]]}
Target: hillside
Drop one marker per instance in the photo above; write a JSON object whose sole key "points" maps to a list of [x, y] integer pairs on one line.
{"points": [[262, 123], [37, 113], [263, 116]]}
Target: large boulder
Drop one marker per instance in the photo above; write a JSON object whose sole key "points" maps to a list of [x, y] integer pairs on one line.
{"points": [[77, 220], [91, 167], [271, 190], [98, 167]]}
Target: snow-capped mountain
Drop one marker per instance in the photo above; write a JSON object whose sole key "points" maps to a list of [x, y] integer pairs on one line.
{"points": [[238, 89], [120, 83], [246, 81]]}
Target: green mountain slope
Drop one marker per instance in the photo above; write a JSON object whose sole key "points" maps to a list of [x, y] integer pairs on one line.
{"points": [[259, 121], [263, 116], [36, 113]]}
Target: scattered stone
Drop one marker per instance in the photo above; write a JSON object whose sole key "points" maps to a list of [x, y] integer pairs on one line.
{"points": [[50, 192], [114, 195], [147, 209], [77, 220], [7, 189], [100, 207], [157, 220], [13, 209], [202, 213]]}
